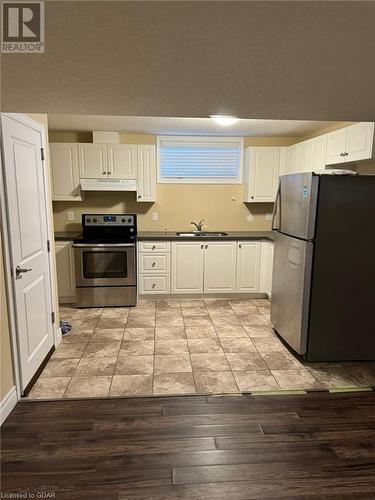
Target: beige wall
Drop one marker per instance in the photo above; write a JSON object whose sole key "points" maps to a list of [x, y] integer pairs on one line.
{"points": [[177, 204], [6, 373]]}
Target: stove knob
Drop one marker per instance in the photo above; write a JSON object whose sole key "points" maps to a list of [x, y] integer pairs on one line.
{"points": [[123, 220], [95, 220], [88, 220]]}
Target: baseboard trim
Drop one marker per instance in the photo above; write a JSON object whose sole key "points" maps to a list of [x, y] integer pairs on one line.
{"points": [[202, 296], [7, 404]]}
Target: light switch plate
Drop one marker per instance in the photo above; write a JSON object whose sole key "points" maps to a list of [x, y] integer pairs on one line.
{"points": [[268, 216], [154, 216]]}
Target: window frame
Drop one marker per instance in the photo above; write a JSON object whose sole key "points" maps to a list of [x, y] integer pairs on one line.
{"points": [[199, 180]]}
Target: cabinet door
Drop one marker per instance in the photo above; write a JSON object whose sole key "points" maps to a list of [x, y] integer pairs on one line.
{"points": [[284, 164], [263, 165], [336, 146], [266, 266], [220, 267], [65, 270], [122, 161], [146, 175], [359, 141], [65, 172], [248, 253], [92, 160], [318, 147], [303, 157], [187, 267]]}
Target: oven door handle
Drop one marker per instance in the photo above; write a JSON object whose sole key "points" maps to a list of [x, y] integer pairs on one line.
{"points": [[102, 245]]}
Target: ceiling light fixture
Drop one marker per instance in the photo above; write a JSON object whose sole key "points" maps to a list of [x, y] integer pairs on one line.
{"points": [[223, 120]]}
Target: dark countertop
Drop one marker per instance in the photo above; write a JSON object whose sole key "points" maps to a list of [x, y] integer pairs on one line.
{"points": [[67, 235], [232, 235]]}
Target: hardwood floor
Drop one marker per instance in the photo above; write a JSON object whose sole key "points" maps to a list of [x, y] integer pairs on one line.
{"points": [[317, 445]]}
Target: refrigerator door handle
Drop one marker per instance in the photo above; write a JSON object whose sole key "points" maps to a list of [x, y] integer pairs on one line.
{"points": [[277, 210]]}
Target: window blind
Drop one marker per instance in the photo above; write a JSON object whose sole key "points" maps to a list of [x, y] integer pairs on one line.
{"points": [[191, 159]]}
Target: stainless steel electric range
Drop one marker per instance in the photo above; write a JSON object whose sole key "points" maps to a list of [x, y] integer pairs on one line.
{"points": [[105, 261]]}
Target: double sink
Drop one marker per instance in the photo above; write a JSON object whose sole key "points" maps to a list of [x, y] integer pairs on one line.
{"points": [[201, 233]]}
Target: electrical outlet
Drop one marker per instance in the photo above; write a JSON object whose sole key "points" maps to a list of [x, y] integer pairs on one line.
{"points": [[268, 217], [154, 216], [250, 217], [70, 216]]}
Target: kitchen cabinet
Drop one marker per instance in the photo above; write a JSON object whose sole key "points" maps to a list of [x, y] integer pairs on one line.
{"points": [[65, 271], [266, 267], [219, 267], [351, 143], [146, 178], [187, 267], [93, 160], [248, 258], [261, 174], [302, 158], [154, 267], [65, 172], [317, 153], [122, 161]]}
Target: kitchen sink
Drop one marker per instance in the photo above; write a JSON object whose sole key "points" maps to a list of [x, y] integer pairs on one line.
{"points": [[201, 233]]}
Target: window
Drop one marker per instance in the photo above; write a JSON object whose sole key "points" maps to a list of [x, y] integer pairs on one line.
{"points": [[210, 160]]}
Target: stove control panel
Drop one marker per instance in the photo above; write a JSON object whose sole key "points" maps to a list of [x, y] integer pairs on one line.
{"points": [[108, 220]]}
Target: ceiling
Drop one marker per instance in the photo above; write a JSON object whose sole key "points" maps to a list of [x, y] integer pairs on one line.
{"points": [[184, 126]]}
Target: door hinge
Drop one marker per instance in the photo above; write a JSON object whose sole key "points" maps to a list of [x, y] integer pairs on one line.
{"points": [[53, 317], [48, 245], [42, 153]]}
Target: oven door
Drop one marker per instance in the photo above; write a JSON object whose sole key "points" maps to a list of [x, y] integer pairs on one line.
{"points": [[105, 265]]}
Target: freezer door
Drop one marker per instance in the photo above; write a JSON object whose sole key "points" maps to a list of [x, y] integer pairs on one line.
{"points": [[291, 290], [296, 205]]}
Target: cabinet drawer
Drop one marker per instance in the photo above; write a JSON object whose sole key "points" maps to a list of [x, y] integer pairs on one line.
{"points": [[154, 263], [154, 246], [154, 284]]}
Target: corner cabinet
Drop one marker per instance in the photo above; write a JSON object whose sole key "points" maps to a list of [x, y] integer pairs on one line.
{"points": [[65, 271], [65, 172], [146, 178], [261, 174]]}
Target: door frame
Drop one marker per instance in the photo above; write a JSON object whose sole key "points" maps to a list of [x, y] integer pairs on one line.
{"points": [[7, 249]]}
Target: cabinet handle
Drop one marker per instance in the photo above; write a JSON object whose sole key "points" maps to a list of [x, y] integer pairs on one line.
{"points": [[139, 196], [252, 197], [109, 173], [153, 264], [206, 246], [153, 247], [202, 247], [240, 246], [153, 285], [342, 154], [104, 173]]}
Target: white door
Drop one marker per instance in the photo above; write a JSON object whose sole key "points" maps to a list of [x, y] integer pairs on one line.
{"points": [[65, 172], [146, 178], [336, 146], [264, 173], [318, 147], [266, 267], [65, 270], [122, 161], [92, 160], [220, 267], [303, 157], [359, 142], [248, 253], [27, 222], [187, 267]]}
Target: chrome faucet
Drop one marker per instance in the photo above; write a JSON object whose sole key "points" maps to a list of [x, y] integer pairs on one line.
{"points": [[199, 225]]}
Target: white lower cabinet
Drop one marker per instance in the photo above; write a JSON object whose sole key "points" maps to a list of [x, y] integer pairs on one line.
{"points": [[220, 267], [266, 267], [154, 267], [65, 271], [156, 284], [248, 258], [187, 267]]}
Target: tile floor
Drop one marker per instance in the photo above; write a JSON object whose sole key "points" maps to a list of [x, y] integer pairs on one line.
{"points": [[182, 347]]}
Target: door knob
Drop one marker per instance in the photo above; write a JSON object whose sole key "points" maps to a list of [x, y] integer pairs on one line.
{"points": [[19, 270]]}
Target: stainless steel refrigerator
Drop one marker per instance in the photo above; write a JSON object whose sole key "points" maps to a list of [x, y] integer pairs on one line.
{"points": [[323, 290]]}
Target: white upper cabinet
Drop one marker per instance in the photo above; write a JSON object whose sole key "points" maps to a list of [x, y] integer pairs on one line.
{"points": [[220, 267], [65, 172], [302, 158], [122, 161], [248, 253], [261, 173], [146, 176], [350, 143], [92, 160], [317, 152], [187, 267]]}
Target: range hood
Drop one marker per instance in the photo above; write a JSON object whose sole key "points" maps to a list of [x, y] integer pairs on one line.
{"points": [[108, 184]]}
